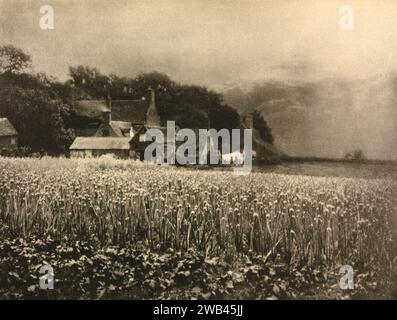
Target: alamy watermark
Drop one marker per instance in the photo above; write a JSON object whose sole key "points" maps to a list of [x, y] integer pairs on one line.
{"points": [[47, 277], [347, 280], [346, 20], [47, 18], [188, 146]]}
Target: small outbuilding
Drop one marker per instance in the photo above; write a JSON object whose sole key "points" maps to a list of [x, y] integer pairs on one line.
{"points": [[87, 147], [8, 134]]}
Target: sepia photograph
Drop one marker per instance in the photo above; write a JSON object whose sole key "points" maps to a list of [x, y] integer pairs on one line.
{"points": [[206, 150]]}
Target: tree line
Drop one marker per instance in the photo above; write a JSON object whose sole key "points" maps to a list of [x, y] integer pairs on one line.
{"points": [[42, 108]]}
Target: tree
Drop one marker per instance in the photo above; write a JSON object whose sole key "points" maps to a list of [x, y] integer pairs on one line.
{"points": [[224, 116], [206, 105], [190, 106], [166, 99], [36, 104], [13, 60], [155, 80], [356, 155], [37, 118], [91, 82], [261, 125], [193, 119]]}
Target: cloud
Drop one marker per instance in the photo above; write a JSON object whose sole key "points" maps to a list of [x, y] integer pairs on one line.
{"points": [[204, 41]]}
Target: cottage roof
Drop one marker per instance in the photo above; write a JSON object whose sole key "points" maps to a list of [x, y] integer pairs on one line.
{"points": [[87, 131], [121, 124], [91, 108], [142, 129], [101, 143], [6, 128], [133, 111], [121, 128]]}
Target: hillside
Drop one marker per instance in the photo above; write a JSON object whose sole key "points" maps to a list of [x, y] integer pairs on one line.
{"points": [[326, 118]]}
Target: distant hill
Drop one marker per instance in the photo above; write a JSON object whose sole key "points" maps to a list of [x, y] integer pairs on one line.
{"points": [[326, 118]]}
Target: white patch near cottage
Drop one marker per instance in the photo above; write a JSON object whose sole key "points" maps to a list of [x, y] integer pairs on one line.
{"points": [[187, 152]]}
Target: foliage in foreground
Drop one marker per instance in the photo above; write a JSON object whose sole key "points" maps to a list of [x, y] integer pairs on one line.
{"points": [[84, 270]]}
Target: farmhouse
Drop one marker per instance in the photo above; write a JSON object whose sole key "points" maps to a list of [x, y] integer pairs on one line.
{"points": [[8, 134], [122, 124], [115, 118]]}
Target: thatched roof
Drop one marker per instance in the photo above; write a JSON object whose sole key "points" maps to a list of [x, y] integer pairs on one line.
{"points": [[6, 128], [101, 143], [91, 108], [133, 111], [118, 129]]}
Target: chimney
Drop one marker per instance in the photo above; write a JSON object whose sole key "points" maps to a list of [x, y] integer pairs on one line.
{"points": [[106, 118], [109, 101], [152, 116], [152, 97]]}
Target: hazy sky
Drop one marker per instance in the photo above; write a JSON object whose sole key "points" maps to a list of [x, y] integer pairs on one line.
{"points": [[209, 42], [223, 43]]}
